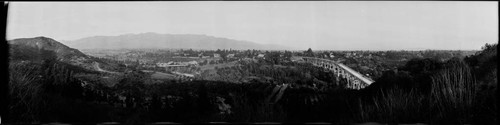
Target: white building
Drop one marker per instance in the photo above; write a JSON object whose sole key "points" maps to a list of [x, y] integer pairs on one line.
{"points": [[192, 63], [230, 55], [216, 55], [261, 55], [162, 64]]}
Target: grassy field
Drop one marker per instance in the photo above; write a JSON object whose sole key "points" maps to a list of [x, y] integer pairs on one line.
{"points": [[160, 75]]}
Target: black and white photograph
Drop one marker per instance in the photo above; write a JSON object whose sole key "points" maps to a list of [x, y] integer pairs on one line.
{"points": [[250, 62]]}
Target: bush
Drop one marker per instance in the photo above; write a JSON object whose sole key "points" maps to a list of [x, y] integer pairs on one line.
{"points": [[25, 93], [394, 106], [451, 99], [453, 93]]}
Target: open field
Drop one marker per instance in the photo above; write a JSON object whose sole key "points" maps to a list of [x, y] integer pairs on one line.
{"points": [[161, 75]]}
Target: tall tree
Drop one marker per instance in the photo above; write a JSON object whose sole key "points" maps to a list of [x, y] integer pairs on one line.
{"points": [[309, 53]]}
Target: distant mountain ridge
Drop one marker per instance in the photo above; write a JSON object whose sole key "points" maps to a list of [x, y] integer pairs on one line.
{"points": [[155, 40]]}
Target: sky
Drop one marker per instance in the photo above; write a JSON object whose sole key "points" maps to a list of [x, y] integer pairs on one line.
{"points": [[320, 25]]}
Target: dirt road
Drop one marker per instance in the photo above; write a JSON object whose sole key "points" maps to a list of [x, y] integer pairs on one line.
{"points": [[96, 66]]}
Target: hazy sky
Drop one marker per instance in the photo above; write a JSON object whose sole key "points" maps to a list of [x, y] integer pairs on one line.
{"points": [[339, 25]]}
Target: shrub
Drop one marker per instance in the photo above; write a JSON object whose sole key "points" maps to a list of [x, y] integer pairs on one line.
{"points": [[394, 106], [453, 93], [25, 93], [451, 99]]}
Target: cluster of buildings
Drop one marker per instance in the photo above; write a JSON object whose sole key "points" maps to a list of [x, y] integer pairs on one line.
{"points": [[173, 64]]}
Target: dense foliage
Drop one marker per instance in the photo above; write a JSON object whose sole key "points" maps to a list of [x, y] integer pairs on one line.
{"points": [[429, 90]]}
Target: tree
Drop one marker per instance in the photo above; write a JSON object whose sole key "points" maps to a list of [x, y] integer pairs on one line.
{"points": [[203, 100], [288, 55], [131, 84], [273, 57], [309, 53]]}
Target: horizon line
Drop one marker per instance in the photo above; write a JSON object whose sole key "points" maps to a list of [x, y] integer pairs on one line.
{"points": [[290, 48]]}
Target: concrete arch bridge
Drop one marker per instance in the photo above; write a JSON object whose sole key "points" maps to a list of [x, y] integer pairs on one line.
{"points": [[355, 80]]}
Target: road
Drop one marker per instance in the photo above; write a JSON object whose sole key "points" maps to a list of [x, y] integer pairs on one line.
{"points": [[96, 66]]}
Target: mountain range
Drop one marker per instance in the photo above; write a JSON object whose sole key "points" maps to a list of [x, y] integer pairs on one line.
{"points": [[175, 41]]}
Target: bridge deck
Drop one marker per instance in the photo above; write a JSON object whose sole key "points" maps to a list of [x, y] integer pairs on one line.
{"points": [[358, 75]]}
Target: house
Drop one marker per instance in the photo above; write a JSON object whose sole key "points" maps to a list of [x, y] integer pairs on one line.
{"points": [[348, 54], [162, 64], [216, 55], [230, 55], [294, 59], [192, 63], [260, 56], [148, 65]]}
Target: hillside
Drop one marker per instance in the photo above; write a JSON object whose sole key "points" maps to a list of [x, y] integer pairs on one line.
{"points": [[154, 40], [38, 49], [30, 48]]}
